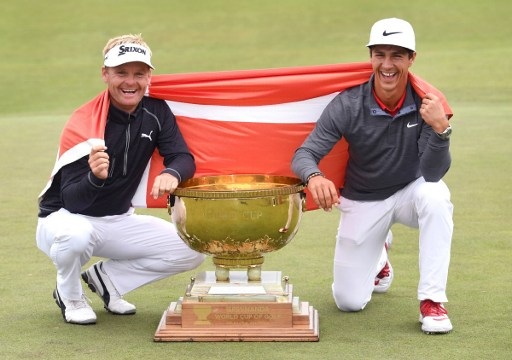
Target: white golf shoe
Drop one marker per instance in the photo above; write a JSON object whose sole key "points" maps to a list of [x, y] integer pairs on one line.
{"points": [[434, 318], [75, 311], [99, 282], [384, 279]]}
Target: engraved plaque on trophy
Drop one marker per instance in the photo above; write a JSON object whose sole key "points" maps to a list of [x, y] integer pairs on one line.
{"points": [[237, 219]]}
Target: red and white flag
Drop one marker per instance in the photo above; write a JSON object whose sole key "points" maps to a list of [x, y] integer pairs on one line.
{"points": [[240, 122]]}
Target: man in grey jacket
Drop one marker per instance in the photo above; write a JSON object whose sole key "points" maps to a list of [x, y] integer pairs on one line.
{"points": [[398, 154]]}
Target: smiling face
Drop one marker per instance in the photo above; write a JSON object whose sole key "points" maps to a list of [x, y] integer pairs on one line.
{"points": [[391, 66], [127, 84]]}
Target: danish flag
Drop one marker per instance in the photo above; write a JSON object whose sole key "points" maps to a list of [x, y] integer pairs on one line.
{"points": [[235, 122]]}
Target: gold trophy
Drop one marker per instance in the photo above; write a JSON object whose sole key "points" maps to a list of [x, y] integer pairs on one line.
{"points": [[237, 219]]}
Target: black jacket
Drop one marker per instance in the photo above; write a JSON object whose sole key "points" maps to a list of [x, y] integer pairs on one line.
{"points": [[131, 140]]}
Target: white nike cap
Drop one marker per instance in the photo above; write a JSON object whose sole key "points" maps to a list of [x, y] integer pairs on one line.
{"points": [[393, 31], [125, 53]]}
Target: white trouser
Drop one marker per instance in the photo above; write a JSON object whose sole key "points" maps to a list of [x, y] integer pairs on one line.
{"points": [[141, 249], [362, 232]]}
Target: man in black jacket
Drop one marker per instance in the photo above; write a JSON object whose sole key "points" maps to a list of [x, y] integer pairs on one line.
{"points": [[87, 210]]}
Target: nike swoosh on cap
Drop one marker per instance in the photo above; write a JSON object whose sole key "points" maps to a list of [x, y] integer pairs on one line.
{"points": [[385, 33]]}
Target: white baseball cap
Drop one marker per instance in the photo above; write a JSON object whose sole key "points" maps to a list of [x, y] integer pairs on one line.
{"points": [[393, 31], [125, 53]]}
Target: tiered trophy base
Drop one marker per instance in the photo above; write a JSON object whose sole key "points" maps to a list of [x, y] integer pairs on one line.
{"points": [[239, 310]]}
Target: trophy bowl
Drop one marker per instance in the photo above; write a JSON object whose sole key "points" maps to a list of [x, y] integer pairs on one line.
{"points": [[237, 218]]}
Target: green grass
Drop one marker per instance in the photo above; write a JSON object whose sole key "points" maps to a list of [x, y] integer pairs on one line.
{"points": [[51, 62]]}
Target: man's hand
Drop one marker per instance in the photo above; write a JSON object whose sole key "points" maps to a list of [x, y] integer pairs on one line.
{"points": [[432, 112], [164, 184], [323, 192], [99, 161]]}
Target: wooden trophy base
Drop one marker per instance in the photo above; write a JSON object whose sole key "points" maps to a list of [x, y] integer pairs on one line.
{"points": [[239, 310]]}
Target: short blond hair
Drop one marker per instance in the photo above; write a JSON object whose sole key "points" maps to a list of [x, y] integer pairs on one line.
{"points": [[125, 39]]}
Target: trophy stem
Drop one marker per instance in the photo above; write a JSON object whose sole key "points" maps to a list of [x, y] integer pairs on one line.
{"points": [[223, 266]]}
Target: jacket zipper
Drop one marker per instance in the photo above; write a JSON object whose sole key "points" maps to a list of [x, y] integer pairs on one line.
{"points": [[126, 148]]}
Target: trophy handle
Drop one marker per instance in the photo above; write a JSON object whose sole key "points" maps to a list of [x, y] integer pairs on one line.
{"points": [[303, 200]]}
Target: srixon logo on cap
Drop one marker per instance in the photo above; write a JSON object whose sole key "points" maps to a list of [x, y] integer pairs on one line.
{"points": [[126, 49]]}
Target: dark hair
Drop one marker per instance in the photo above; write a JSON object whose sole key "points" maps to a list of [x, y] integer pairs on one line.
{"points": [[410, 52]]}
